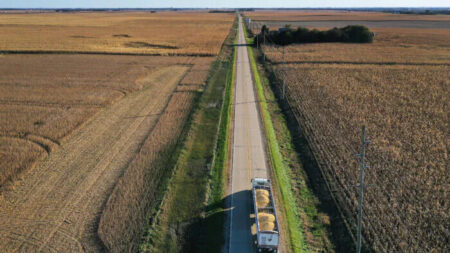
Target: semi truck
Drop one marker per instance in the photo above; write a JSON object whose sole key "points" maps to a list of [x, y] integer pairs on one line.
{"points": [[267, 229]]}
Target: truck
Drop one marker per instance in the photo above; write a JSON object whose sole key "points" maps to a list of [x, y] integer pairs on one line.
{"points": [[266, 220]]}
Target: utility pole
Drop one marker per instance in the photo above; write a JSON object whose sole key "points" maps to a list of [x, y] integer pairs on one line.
{"points": [[264, 43], [257, 41], [361, 186], [284, 77]]}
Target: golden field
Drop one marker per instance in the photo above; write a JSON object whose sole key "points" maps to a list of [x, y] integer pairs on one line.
{"points": [[391, 45], [92, 108], [84, 131], [411, 44], [398, 86], [405, 109], [161, 33], [43, 98], [332, 15]]}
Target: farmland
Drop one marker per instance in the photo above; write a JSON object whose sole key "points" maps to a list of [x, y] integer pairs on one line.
{"points": [[160, 33], [390, 46], [43, 104], [398, 87], [333, 15], [89, 125]]}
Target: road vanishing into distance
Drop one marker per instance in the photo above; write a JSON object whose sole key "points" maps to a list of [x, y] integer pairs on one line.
{"points": [[248, 153]]}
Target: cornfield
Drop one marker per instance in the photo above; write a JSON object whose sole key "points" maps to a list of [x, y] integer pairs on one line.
{"points": [[398, 87], [161, 33], [42, 104], [406, 111], [127, 211]]}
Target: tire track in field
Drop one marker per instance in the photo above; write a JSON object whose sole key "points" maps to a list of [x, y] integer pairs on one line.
{"points": [[56, 207]]}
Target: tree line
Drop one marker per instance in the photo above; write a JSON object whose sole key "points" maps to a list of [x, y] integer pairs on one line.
{"points": [[288, 35]]}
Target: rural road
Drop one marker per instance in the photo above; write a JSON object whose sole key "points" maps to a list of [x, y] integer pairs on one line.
{"points": [[248, 153]]}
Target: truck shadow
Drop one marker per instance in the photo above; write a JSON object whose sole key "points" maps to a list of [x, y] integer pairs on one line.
{"points": [[242, 45], [210, 231]]}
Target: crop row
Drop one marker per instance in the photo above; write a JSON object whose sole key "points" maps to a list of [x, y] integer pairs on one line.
{"points": [[127, 211], [161, 33], [404, 109], [50, 96]]}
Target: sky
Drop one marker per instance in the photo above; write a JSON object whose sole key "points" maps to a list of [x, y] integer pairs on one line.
{"points": [[218, 3]]}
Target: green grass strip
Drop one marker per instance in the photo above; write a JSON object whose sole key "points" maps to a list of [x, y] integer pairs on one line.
{"points": [[292, 213], [221, 160]]}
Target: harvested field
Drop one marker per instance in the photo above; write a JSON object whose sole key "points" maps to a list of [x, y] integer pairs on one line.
{"points": [[339, 15], [160, 33], [406, 111], [369, 23], [127, 211], [398, 86], [390, 46], [199, 72], [42, 104], [56, 206], [87, 132]]}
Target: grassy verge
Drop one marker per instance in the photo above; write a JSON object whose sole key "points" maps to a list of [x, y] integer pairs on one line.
{"points": [[281, 173], [215, 212], [191, 217]]}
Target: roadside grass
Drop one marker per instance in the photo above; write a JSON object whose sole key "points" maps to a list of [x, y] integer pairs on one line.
{"points": [[216, 201], [191, 217], [281, 173]]}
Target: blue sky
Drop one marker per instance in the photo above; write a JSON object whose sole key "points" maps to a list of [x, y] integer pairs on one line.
{"points": [[218, 3]]}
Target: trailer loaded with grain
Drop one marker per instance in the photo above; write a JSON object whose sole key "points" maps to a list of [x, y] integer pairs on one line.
{"points": [[267, 230]]}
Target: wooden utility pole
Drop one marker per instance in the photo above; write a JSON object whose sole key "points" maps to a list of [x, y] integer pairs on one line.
{"points": [[284, 77], [264, 43], [257, 41], [361, 186]]}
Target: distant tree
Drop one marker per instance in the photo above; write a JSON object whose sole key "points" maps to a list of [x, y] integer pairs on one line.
{"points": [[264, 30], [358, 33], [287, 35]]}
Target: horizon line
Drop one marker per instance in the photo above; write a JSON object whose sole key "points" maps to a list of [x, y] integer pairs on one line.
{"points": [[229, 8]]}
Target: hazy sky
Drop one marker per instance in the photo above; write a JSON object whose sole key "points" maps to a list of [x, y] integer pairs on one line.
{"points": [[218, 3]]}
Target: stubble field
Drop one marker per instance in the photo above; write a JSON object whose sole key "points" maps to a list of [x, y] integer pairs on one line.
{"points": [[161, 33], [398, 87], [44, 98], [391, 46], [333, 15], [86, 141]]}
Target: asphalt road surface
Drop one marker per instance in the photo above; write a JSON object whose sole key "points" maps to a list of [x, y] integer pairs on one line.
{"points": [[248, 153]]}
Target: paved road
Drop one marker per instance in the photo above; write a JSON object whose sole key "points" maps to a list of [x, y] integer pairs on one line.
{"points": [[248, 153]]}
